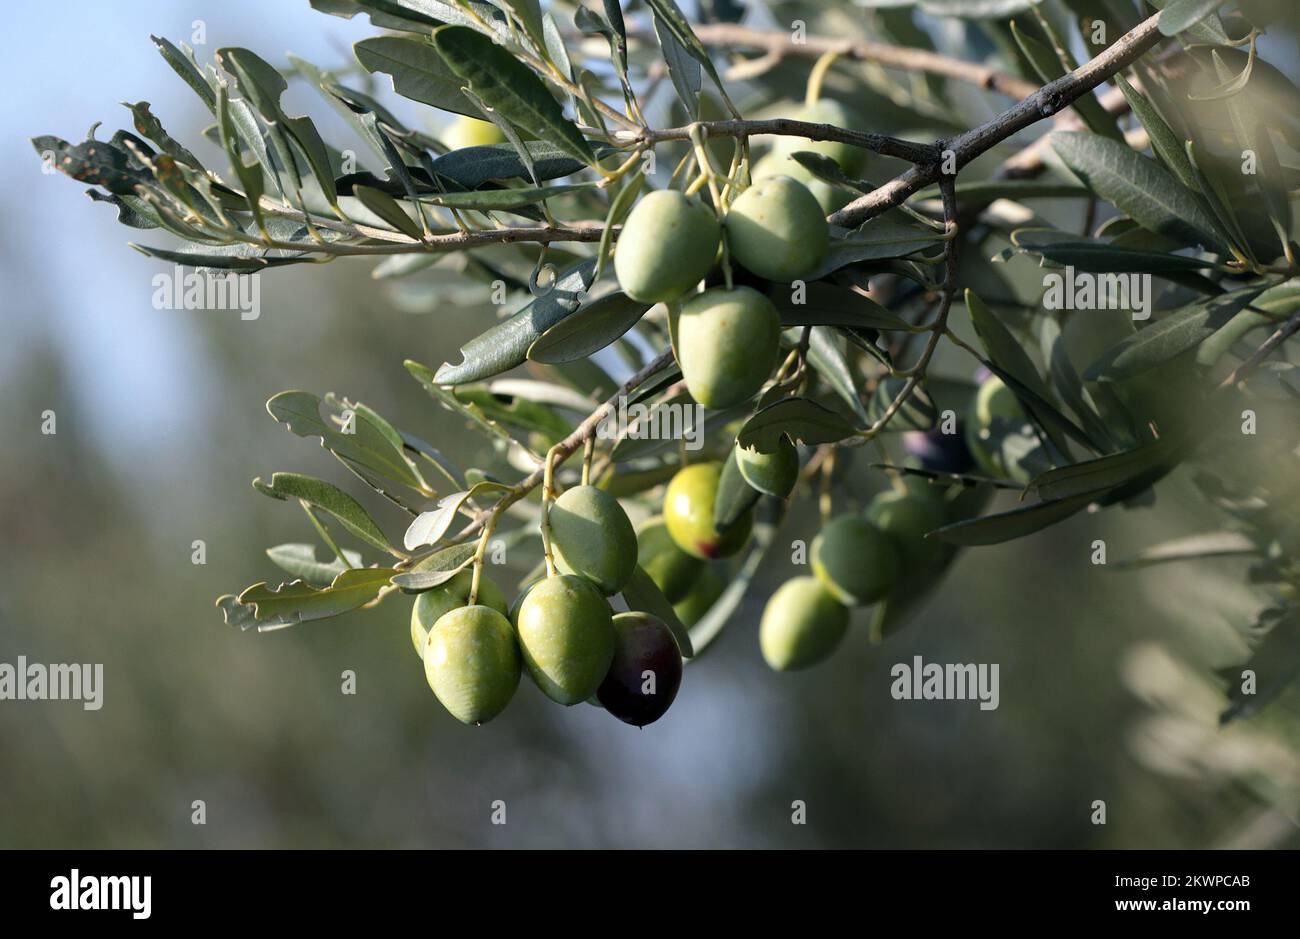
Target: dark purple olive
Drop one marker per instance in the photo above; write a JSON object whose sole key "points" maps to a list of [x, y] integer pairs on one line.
{"points": [[646, 672], [939, 452]]}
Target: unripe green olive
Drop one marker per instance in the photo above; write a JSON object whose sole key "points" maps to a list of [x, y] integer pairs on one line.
{"points": [[672, 569], [801, 625], [830, 198], [997, 435], [471, 661], [566, 636], [645, 673], [591, 536], [726, 343], [773, 473], [823, 111], [705, 592], [667, 245], [432, 605], [688, 514], [471, 132], [907, 517], [854, 560], [776, 229]]}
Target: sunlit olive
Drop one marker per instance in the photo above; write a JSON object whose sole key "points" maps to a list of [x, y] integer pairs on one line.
{"points": [[431, 605], [566, 637], [671, 568], [773, 473], [802, 624], [667, 245], [645, 673], [776, 228], [824, 111], [703, 594], [471, 132], [830, 198], [854, 560], [907, 517], [726, 343], [688, 514], [591, 536], [471, 661]]}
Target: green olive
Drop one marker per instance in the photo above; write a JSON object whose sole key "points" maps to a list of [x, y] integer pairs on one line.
{"points": [[1000, 436], [708, 587], [726, 343], [591, 536], [802, 624], [471, 661], [830, 198], [471, 132], [432, 605], [907, 517], [672, 569], [774, 473], [667, 245], [566, 636], [688, 514], [824, 111], [854, 560], [776, 229]]}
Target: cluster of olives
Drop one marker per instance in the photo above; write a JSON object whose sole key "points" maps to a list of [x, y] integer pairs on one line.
{"points": [[561, 629], [726, 339], [856, 561]]}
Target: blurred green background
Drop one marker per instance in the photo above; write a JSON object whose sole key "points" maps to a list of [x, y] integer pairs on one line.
{"points": [[1106, 688]]}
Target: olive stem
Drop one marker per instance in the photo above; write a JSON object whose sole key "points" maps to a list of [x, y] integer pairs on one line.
{"points": [[480, 553], [548, 494], [588, 450], [817, 75]]}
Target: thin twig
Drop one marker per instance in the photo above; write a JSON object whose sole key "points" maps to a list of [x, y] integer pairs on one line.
{"points": [[877, 143]]}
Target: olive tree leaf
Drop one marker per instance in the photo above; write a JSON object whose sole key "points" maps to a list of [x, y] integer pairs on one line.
{"points": [[300, 602], [826, 353], [683, 69], [1107, 472], [1179, 15], [183, 65], [506, 345], [494, 200], [1050, 67], [1007, 355], [300, 560], [434, 570], [471, 167], [1007, 526], [429, 527], [643, 595], [735, 496], [1138, 186], [801, 419], [1164, 141], [826, 304], [1217, 544], [917, 413], [876, 240], [1170, 336], [330, 498], [417, 70], [369, 447], [588, 329], [668, 15], [1275, 662], [510, 88], [388, 209]]}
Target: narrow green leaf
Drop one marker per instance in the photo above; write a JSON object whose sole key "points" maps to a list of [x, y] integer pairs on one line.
{"points": [[299, 602], [801, 419], [735, 496], [644, 596], [434, 570], [1217, 544], [510, 88], [589, 329], [1138, 186], [330, 498], [417, 70], [300, 560], [429, 527], [1007, 526], [917, 413], [1179, 15], [826, 353], [506, 345], [388, 209]]}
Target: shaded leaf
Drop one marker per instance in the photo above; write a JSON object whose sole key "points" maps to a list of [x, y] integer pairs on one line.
{"points": [[735, 496], [589, 329], [330, 498], [429, 527], [801, 419], [1218, 544], [643, 595], [1007, 526]]}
